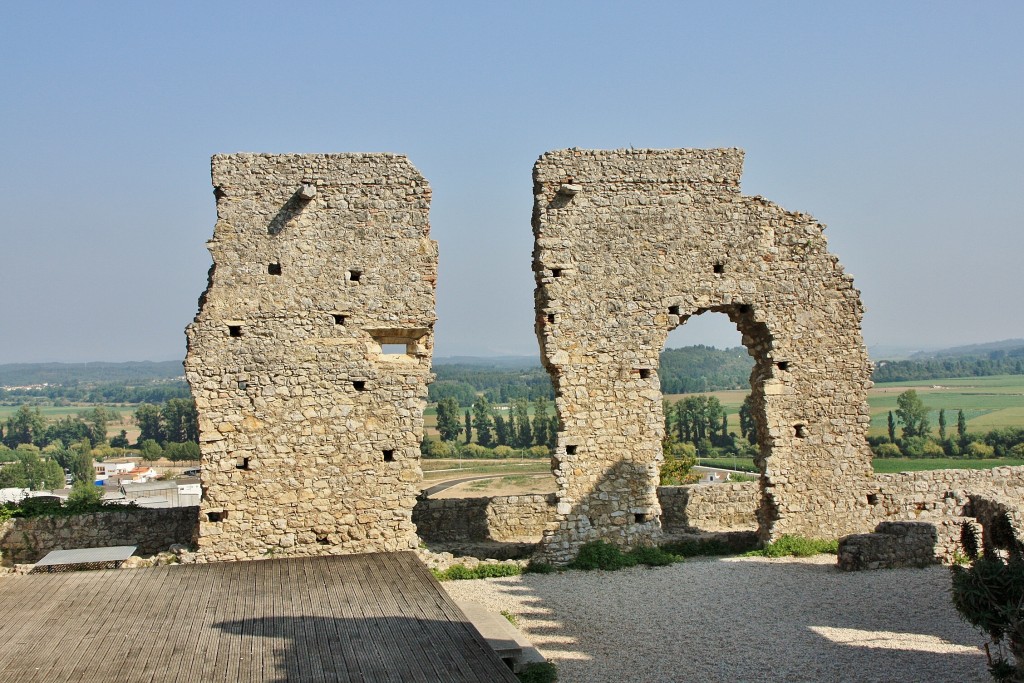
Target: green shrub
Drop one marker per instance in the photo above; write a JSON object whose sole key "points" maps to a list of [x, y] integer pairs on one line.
{"points": [[600, 555], [535, 567], [653, 556], [796, 546], [84, 497], [711, 547], [460, 572], [538, 672], [503, 452], [989, 595]]}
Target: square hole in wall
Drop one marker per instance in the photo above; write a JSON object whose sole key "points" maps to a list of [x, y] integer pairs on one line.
{"points": [[800, 431], [556, 272], [551, 317], [216, 516], [234, 330], [394, 349], [872, 499], [339, 319], [645, 373], [640, 518], [323, 540], [389, 455], [242, 463], [274, 268], [359, 385], [355, 275], [243, 385], [570, 449], [719, 268], [673, 310], [782, 365]]}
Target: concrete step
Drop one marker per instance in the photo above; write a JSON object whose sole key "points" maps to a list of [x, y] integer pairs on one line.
{"points": [[504, 638]]}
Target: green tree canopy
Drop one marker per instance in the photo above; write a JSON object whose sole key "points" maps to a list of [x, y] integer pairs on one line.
{"points": [[912, 414]]}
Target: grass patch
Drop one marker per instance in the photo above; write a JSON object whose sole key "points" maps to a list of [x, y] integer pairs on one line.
{"points": [[510, 617], [538, 672], [892, 465], [601, 555], [711, 547], [535, 567], [460, 572], [796, 546]]}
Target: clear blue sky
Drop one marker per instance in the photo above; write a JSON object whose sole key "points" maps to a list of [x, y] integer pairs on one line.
{"points": [[898, 124]]}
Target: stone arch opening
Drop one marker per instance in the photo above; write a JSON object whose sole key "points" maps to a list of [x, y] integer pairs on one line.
{"points": [[646, 237], [755, 339]]}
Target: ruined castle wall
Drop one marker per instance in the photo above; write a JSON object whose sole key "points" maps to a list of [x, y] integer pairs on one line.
{"points": [[628, 245], [310, 356]]}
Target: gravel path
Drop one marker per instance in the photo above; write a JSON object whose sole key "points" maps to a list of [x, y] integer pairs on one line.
{"points": [[741, 619]]}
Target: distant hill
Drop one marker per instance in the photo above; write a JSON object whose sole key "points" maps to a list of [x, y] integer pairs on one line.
{"points": [[990, 350], [73, 374]]}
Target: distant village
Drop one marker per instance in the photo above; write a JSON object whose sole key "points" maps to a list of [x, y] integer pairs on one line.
{"points": [[129, 481]]}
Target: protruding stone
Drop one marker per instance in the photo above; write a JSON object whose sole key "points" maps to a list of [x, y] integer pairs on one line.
{"points": [[307, 191], [569, 189]]}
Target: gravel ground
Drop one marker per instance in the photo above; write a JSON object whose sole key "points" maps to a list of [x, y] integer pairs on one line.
{"points": [[741, 619]]}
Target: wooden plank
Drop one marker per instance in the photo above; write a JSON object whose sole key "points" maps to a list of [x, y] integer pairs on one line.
{"points": [[356, 618]]}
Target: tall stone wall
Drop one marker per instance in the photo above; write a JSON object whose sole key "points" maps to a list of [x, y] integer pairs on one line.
{"points": [[310, 356], [628, 245]]}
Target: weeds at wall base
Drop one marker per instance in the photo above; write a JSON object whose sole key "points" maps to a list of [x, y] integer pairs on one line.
{"points": [[796, 546]]}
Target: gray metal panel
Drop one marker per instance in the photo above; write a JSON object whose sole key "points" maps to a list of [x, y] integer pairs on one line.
{"points": [[117, 553]]}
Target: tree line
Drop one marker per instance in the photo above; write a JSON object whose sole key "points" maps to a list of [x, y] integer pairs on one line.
{"points": [[995, 363], [514, 428], [915, 438]]}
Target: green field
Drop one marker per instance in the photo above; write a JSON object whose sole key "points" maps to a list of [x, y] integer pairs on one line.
{"points": [[988, 402]]}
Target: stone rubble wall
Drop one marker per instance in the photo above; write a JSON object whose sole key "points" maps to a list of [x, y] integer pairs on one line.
{"points": [[698, 507], [903, 544], [709, 507], [938, 494], [152, 530], [310, 421], [630, 244]]}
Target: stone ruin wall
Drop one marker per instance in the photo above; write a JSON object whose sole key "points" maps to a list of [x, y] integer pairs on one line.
{"points": [[628, 245], [309, 425]]}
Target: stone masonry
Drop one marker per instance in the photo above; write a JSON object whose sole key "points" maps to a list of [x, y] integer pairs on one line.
{"points": [[629, 244], [310, 356]]}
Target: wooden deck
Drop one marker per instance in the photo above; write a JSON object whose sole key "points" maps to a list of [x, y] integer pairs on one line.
{"points": [[370, 618]]}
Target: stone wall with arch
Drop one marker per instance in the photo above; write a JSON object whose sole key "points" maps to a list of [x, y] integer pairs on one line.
{"points": [[628, 245]]}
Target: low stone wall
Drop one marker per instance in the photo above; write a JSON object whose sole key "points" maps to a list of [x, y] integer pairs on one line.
{"points": [[510, 519], [501, 519], [709, 507], [903, 544], [24, 541], [937, 494]]}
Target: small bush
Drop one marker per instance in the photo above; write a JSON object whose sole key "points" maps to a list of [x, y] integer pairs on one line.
{"points": [[601, 555], [654, 557], [538, 672], [535, 567], [712, 547], [460, 572], [796, 546], [510, 617]]}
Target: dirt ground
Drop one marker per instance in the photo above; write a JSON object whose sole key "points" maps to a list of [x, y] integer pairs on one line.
{"points": [[511, 485]]}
